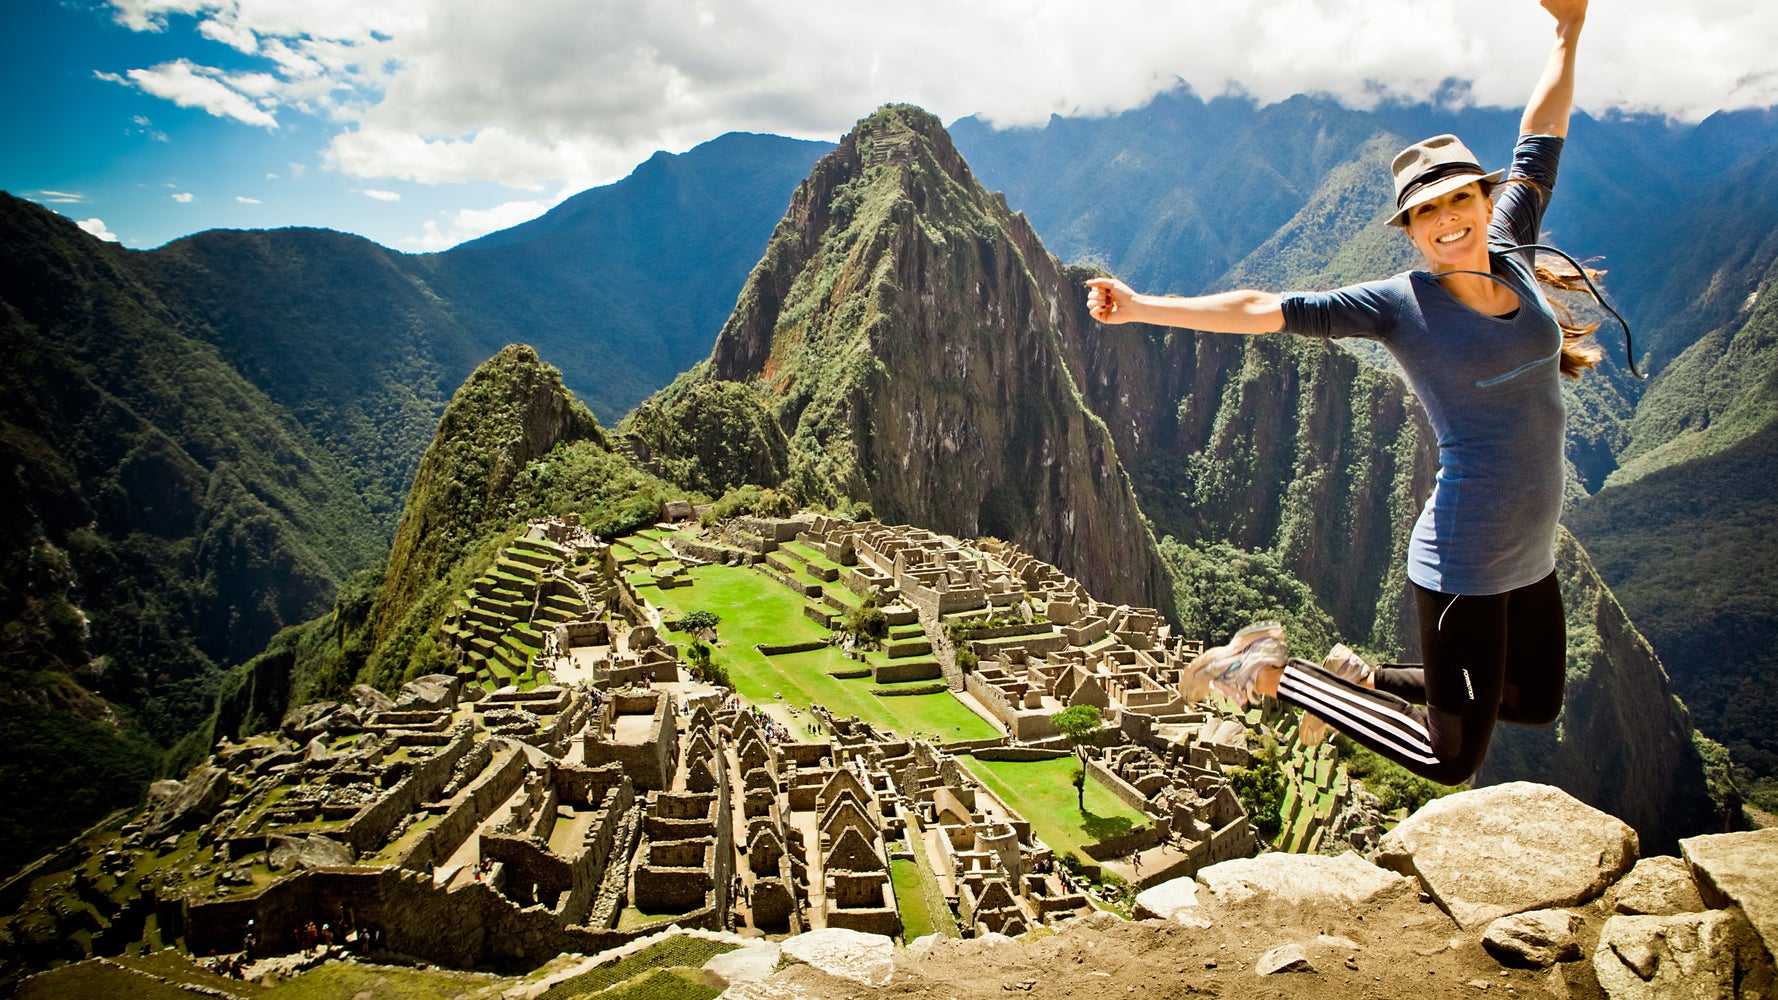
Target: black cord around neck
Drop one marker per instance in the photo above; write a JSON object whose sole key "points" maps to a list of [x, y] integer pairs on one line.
{"points": [[1629, 349]]}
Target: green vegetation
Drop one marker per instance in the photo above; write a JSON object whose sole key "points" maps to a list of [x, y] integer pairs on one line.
{"points": [[1218, 589], [868, 624], [678, 951], [164, 518], [1038, 790], [1261, 787], [1081, 724], [700, 619], [1696, 580], [1397, 789], [713, 436]]}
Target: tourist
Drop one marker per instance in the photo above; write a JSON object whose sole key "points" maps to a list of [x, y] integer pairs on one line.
{"points": [[1481, 348]]}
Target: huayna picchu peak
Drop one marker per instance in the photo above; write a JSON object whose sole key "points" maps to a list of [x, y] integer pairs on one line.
{"points": [[908, 334]]}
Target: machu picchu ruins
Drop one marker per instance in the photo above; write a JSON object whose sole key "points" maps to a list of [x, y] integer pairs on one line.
{"points": [[578, 780]]}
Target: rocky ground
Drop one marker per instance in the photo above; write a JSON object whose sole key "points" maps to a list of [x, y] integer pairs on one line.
{"points": [[1514, 890]]}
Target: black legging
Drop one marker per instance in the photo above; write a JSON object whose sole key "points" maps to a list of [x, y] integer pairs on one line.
{"points": [[1496, 657]]}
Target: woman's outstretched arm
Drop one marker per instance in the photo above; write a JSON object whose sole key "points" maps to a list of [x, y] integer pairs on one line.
{"points": [[1111, 301], [1547, 111]]}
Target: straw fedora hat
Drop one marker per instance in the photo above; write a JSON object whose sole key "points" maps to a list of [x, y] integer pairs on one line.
{"points": [[1430, 168]]}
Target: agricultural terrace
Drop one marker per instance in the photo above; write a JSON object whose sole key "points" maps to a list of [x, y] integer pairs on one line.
{"points": [[757, 609]]}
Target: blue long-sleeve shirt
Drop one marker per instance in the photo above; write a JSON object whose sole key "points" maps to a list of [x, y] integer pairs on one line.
{"points": [[1490, 388]]}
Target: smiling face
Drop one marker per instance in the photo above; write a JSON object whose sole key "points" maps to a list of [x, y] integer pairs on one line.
{"points": [[1451, 230]]}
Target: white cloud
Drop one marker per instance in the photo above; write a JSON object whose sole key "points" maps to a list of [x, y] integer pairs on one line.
{"points": [[60, 197], [243, 199], [271, 177], [97, 228], [470, 223], [151, 15], [562, 91], [381, 195], [192, 86], [491, 153], [184, 197]]}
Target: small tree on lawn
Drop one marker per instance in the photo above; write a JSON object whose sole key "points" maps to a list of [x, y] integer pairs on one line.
{"points": [[698, 620], [1079, 723]]}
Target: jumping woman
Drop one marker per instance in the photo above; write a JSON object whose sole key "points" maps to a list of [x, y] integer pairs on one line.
{"points": [[1482, 348]]}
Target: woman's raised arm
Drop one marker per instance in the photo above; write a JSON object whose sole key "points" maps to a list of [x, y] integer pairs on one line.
{"points": [[1547, 111], [1112, 301]]}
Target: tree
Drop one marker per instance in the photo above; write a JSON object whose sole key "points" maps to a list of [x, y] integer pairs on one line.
{"points": [[1079, 723], [697, 620], [1079, 777]]}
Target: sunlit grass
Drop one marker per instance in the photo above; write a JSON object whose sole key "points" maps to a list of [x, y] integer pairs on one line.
{"points": [[1042, 791], [757, 609]]}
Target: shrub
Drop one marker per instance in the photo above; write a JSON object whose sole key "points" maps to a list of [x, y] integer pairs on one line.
{"points": [[868, 622]]}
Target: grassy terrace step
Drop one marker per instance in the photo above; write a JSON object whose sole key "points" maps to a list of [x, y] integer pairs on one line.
{"points": [[504, 656], [535, 560], [564, 602], [810, 555], [911, 647], [840, 599]]}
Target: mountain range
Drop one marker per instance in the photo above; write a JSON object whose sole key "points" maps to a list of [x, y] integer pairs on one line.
{"points": [[215, 440]]}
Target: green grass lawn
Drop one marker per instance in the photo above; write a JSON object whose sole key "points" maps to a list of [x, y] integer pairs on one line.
{"points": [[757, 609], [679, 951], [1042, 791]]}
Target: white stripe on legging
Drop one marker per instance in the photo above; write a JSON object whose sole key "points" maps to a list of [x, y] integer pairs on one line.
{"points": [[1356, 714]]}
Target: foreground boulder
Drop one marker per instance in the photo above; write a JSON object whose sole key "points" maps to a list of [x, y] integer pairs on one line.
{"points": [[1510, 848], [846, 954], [1658, 887], [1685, 956], [1536, 940], [1739, 869], [1176, 899], [1308, 881]]}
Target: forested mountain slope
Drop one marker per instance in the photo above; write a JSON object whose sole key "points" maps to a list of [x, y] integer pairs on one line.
{"points": [[164, 518]]}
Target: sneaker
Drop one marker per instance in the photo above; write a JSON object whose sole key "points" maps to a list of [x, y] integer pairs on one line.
{"points": [[1233, 667], [1195, 681], [1349, 666], [1346, 665], [1235, 677]]}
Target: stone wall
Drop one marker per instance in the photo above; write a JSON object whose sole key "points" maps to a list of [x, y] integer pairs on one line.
{"points": [[1021, 753], [767, 649], [1125, 791], [922, 670], [479, 800], [369, 829], [472, 926], [650, 764]]}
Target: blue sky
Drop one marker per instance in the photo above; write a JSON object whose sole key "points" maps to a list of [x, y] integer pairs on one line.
{"points": [[421, 123]]}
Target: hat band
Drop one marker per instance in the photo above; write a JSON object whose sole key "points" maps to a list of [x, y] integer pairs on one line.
{"points": [[1433, 176]]}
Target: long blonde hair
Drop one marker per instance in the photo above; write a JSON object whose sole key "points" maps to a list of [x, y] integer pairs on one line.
{"points": [[1578, 355]]}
